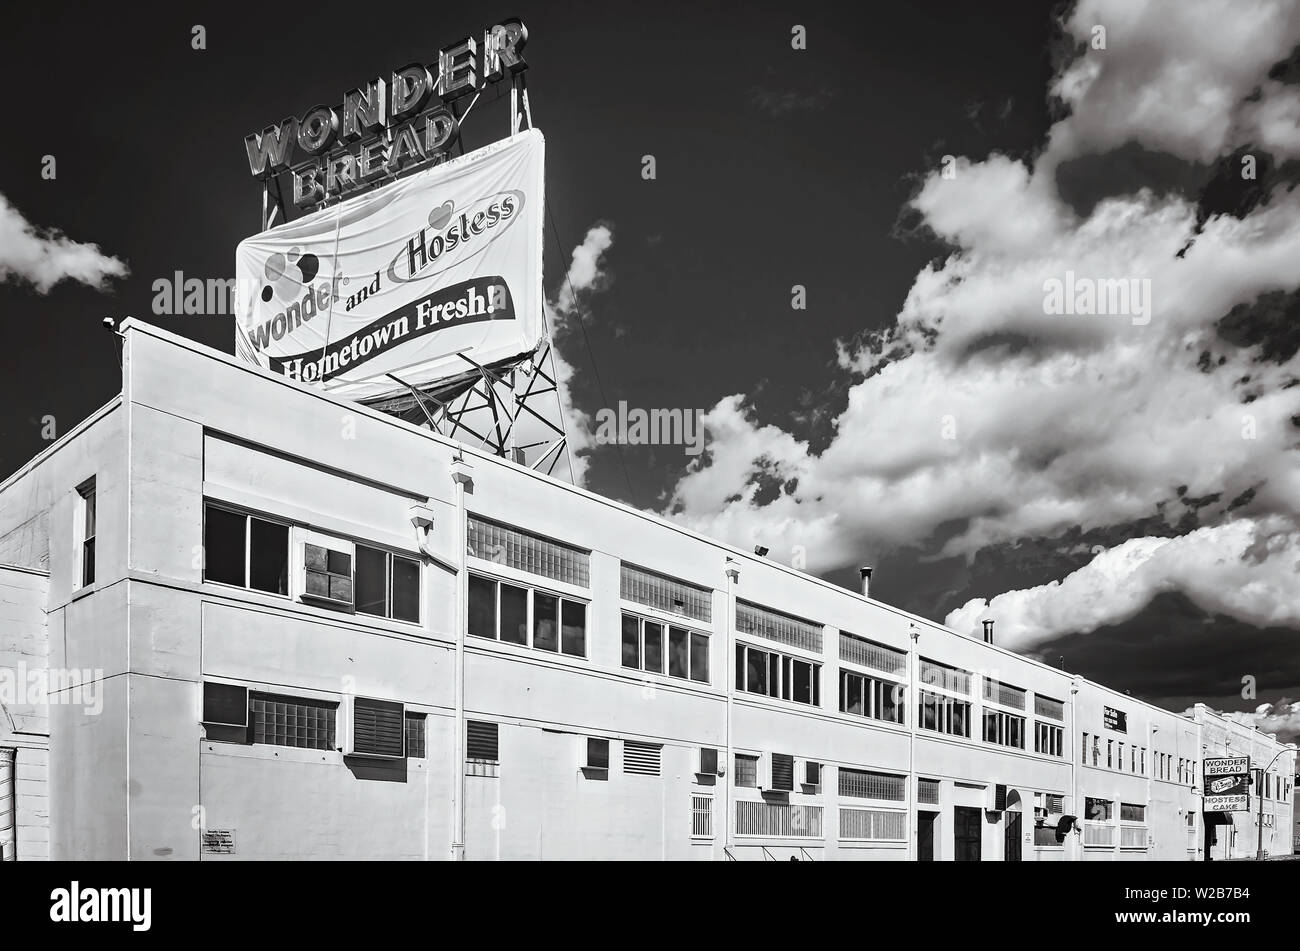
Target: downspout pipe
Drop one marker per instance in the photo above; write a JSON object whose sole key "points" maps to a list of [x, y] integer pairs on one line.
{"points": [[461, 477], [732, 569]]}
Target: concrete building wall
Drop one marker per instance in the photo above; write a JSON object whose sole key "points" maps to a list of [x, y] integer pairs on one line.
{"points": [[142, 777], [24, 716]]}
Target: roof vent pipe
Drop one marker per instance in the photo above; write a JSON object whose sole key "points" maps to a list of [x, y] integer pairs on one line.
{"points": [[988, 632], [865, 571]]}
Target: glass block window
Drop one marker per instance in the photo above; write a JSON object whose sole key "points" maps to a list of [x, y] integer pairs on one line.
{"points": [[746, 770], [867, 653], [935, 674], [293, 721], [415, 746], [862, 784], [872, 824], [1047, 707], [775, 626], [778, 819], [1004, 694], [927, 791], [664, 593], [525, 551]]}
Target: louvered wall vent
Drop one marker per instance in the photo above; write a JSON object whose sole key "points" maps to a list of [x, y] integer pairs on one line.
{"points": [[641, 759]]}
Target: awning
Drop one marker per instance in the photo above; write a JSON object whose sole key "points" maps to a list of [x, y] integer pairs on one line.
{"points": [[1218, 819]]}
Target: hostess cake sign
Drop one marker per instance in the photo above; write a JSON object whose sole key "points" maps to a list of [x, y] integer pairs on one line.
{"points": [[404, 279]]}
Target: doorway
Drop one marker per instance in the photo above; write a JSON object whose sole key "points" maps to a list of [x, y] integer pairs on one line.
{"points": [[1011, 839], [967, 822], [925, 836]]}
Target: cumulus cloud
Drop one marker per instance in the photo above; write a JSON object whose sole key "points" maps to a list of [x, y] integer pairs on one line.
{"points": [[1282, 718], [44, 257], [586, 273], [1188, 79], [1245, 568], [981, 418]]}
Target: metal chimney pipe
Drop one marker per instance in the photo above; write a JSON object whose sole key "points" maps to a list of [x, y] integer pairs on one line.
{"points": [[865, 571], [988, 632]]}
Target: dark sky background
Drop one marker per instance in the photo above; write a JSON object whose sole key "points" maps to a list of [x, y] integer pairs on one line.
{"points": [[775, 167]]}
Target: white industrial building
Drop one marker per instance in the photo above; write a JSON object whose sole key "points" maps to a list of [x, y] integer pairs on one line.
{"points": [[287, 626]]}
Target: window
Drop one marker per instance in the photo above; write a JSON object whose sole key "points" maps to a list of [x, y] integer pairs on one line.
{"points": [[1004, 729], [777, 675], [1142, 760], [597, 754], [387, 585], [868, 653], [481, 741], [245, 551], [643, 649], [943, 714], [779, 819], [1110, 754], [936, 674], [872, 697], [664, 593], [873, 824], [225, 704], [864, 784], [501, 610], [1096, 751], [927, 791], [1083, 758], [1128, 812], [1005, 694], [525, 551], [701, 817], [415, 742], [775, 626], [746, 770], [328, 573], [1132, 759], [87, 493], [1047, 707], [293, 721], [1049, 738], [1098, 810], [1119, 763]]}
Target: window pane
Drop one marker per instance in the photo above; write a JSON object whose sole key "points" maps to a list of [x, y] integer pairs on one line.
{"points": [[756, 669], [575, 628], [774, 677], [654, 647], [514, 614], [223, 546], [269, 555], [339, 563], [482, 607], [889, 706], [802, 682], [546, 621], [678, 660], [851, 700], [631, 642], [597, 753], [372, 581], [89, 496], [740, 666], [406, 589], [700, 658]]}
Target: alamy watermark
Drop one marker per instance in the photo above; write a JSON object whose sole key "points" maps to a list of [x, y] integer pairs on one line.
{"points": [[1098, 297], [59, 685], [656, 427]]}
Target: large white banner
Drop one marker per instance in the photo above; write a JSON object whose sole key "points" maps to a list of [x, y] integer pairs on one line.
{"points": [[403, 279]]}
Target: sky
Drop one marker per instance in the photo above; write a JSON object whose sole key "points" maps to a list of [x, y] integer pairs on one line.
{"points": [[1119, 492]]}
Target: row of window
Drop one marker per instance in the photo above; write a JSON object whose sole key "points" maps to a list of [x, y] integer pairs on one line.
{"points": [[252, 552], [687, 653], [516, 614]]}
